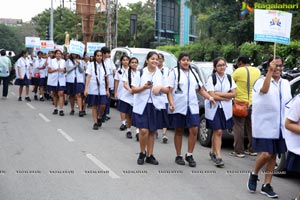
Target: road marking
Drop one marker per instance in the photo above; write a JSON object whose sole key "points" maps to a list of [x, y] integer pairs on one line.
{"points": [[69, 138], [44, 117], [14, 94], [102, 166], [30, 106]]}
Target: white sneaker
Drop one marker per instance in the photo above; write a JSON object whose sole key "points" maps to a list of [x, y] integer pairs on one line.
{"points": [[165, 139]]}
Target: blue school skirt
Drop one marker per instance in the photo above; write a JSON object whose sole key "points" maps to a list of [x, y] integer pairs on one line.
{"points": [[38, 81], [219, 121], [150, 119], [23, 82], [57, 88], [74, 88], [96, 100], [189, 120], [293, 162], [272, 146], [124, 107]]}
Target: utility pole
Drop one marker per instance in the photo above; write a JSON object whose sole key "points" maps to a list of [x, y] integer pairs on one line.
{"points": [[51, 21], [108, 25]]}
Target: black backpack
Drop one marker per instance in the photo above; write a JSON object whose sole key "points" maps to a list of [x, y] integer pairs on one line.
{"points": [[214, 79]]}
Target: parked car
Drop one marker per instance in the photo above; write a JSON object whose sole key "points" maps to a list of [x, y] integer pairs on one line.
{"points": [[204, 70], [280, 167], [140, 54]]}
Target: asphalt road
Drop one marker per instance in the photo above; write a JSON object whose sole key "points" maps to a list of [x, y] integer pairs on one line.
{"points": [[49, 157]]}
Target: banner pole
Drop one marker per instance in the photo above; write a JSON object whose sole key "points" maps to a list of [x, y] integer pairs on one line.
{"points": [[274, 50]]}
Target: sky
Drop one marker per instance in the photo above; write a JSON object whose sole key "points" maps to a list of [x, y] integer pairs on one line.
{"points": [[26, 9]]}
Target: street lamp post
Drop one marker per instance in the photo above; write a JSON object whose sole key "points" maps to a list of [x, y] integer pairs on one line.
{"points": [[51, 21]]}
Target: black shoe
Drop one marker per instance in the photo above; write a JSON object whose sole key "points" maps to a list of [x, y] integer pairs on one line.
{"points": [[61, 113], [107, 117], [179, 160], [219, 162], [190, 160], [123, 127], [27, 99], [95, 126], [72, 112], [252, 182], [103, 119], [66, 103], [81, 114], [84, 113], [55, 111], [20, 99], [35, 97], [141, 158], [99, 122], [42, 99], [267, 189], [129, 134], [137, 137], [151, 160]]}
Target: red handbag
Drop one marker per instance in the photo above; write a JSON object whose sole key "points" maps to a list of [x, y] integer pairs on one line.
{"points": [[37, 75], [240, 108]]}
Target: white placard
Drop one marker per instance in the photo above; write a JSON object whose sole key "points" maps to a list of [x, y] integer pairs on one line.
{"points": [[272, 26], [76, 47], [91, 47], [31, 42]]}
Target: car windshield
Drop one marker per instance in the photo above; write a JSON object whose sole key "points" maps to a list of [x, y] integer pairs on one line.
{"points": [[170, 61]]}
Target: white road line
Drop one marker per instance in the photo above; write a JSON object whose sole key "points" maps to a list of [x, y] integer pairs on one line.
{"points": [[30, 106], [12, 93], [102, 166], [44, 117], [69, 138]]}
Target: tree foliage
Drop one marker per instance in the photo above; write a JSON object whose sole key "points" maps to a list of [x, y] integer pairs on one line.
{"points": [[10, 38]]}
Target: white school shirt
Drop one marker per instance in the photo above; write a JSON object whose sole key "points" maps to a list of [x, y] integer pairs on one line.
{"points": [[126, 95], [165, 73], [85, 66], [292, 112], [268, 109], [222, 85], [119, 76], [141, 99], [57, 77], [94, 89], [24, 65], [75, 73], [111, 67], [188, 85], [37, 64]]}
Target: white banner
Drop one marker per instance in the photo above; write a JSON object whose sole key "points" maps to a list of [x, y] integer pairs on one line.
{"points": [[272, 26], [91, 47], [31, 42], [76, 47]]}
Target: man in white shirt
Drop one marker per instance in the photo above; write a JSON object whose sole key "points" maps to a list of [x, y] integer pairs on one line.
{"points": [[5, 68]]}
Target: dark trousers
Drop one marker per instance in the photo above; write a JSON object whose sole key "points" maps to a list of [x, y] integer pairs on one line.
{"points": [[5, 85], [241, 126]]}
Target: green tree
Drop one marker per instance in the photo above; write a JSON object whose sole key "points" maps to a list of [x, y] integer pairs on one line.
{"points": [[9, 38]]}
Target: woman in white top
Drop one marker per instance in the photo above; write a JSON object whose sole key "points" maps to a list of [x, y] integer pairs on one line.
{"points": [[270, 94], [219, 118], [185, 84], [126, 100], [85, 64], [39, 74], [96, 88], [56, 82], [147, 106], [292, 135], [119, 88], [23, 74], [75, 82]]}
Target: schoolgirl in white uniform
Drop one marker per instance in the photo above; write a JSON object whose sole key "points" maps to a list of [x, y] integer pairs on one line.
{"points": [[270, 94], [165, 72], [96, 88], [75, 82], [85, 64], [23, 75], [126, 99], [147, 106], [39, 74], [56, 82], [185, 83], [48, 58], [219, 118], [119, 88], [292, 135]]}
